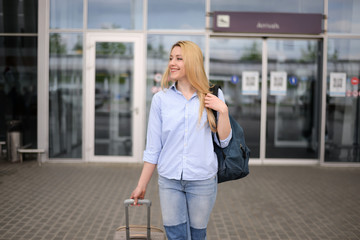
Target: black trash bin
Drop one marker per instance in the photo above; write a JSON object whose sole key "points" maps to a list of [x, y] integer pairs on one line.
{"points": [[14, 140]]}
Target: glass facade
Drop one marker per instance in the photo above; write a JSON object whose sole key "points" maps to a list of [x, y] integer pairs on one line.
{"points": [[18, 64], [342, 134], [65, 95], [18, 16], [287, 116], [124, 14], [18, 87], [344, 16], [231, 60], [66, 14], [176, 15]]}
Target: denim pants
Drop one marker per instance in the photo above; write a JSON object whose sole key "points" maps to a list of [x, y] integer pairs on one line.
{"points": [[186, 207]]}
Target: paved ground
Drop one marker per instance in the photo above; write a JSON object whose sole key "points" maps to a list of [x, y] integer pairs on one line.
{"points": [[84, 201]]}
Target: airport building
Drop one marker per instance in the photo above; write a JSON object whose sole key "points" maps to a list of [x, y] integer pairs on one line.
{"points": [[77, 76]]}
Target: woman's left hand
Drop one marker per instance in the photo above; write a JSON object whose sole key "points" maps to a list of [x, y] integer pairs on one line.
{"points": [[213, 102]]}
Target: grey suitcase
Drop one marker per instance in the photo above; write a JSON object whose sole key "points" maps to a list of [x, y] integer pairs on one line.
{"points": [[138, 231]]}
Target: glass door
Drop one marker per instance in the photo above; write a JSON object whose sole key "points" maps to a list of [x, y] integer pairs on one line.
{"points": [[273, 88], [236, 65], [114, 116], [293, 98]]}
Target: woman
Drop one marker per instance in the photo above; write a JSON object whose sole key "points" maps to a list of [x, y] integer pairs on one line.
{"points": [[179, 143]]}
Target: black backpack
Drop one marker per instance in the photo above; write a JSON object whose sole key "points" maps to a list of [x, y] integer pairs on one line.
{"points": [[233, 161]]}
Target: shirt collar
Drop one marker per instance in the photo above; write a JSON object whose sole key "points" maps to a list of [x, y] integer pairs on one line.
{"points": [[173, 87]]}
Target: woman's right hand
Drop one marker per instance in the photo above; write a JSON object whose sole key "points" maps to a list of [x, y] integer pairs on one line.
{"points": [[138, 193]]}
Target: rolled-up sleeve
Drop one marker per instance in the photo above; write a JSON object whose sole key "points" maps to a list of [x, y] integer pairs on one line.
{"points": [[225, 142], [153, 138]]}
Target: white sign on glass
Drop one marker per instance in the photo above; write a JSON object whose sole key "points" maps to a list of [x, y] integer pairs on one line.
{"points": [[278, 83], [337, 84], [250, 83]]}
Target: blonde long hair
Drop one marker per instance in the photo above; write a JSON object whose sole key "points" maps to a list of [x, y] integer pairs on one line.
{"points": [[195, 73]]}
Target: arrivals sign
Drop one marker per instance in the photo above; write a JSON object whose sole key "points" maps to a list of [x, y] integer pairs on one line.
{"points": [[264, 22]]}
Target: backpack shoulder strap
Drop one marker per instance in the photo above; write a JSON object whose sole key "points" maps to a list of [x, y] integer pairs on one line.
{"points": [[214, 89]]}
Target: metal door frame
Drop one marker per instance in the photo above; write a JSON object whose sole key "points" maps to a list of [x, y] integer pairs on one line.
{"points": [[138, 93], [264, 92]]}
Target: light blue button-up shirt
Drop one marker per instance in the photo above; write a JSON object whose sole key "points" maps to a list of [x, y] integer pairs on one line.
{"points": [[177, 142]]}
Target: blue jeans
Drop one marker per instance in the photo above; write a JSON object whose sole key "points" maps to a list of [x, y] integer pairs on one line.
{"points": [[186, 207]]}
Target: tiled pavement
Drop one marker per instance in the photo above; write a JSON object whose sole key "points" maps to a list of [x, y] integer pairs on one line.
{"points": [[84, 201]]}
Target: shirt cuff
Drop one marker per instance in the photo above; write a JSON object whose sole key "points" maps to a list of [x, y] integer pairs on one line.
{"points": [[150, 157], [224, 143]]}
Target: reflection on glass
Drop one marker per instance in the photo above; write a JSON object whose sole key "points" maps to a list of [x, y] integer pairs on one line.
{"points": [[18, 86], [344, 16], [342, 129], [293, 117], [18, 16], [291, 6], [176, 14], [66, 14], [65, 95], [235, 64], [158, 51], [123, 14], [113, 98]]}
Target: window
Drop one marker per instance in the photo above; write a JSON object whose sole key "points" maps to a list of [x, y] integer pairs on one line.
{"points": [[344, 16], [18, 86], [123, 14], [65, 95], [18, 16], [235, 63], [66, 14], [176, 15], [342, 130]]}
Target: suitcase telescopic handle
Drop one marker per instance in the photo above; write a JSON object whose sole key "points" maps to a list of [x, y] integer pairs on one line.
{"points": [[129, 202]]}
